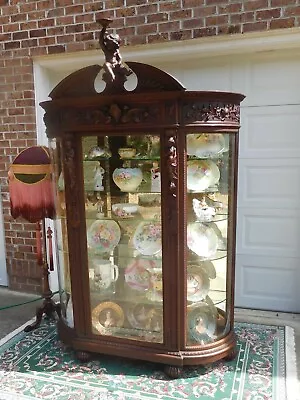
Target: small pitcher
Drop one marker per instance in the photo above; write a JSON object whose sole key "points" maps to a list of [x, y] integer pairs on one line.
{"points": [[105, 273]]}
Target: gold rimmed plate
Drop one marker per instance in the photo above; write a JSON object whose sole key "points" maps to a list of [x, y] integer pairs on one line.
{"points": [[106, 317]]}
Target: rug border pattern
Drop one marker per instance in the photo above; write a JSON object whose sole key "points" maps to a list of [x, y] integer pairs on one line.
{"points": [[286, 363]]}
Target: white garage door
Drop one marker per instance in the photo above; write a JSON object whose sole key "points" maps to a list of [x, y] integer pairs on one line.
{"points": [[268, 232]]}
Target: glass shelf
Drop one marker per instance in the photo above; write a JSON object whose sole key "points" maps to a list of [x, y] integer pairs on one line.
{"points": [[96, 159], [131, 297], [140, 158], [219, 156], [126, 257], [217, 256], [136, 158], [216, 218], [208, 190], [131, 219], [216, 297]]}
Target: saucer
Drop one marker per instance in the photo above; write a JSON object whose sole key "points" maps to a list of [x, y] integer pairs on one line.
{"points": [[103, 236], [201, 239], [201, 174], [202, 324], [198, 284], [137, 275], [147, 238]]}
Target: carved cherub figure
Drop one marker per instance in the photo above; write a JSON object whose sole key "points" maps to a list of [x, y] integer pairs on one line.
{"points": [[110, 44]]}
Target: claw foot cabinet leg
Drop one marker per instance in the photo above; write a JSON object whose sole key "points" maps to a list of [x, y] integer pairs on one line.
{"points": [[231, 356], [172, 371], [83, 356]]}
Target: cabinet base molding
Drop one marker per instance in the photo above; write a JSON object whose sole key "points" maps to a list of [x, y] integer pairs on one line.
{"points": [[86, 345]]}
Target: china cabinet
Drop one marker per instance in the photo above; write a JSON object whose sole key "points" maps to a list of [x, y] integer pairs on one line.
{"points": [[146, 180]]}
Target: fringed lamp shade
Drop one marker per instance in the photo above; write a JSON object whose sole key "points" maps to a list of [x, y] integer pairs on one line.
{"points": [[30, 185], [31, 191], [32, 197]]}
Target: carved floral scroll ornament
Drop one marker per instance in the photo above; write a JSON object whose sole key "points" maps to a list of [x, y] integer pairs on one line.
{"points": [[70, 171], [172, 163], [110, 114], [207, 112]]}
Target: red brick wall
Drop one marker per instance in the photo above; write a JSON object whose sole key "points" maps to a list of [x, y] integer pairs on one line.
{"points": [[31, 28]]}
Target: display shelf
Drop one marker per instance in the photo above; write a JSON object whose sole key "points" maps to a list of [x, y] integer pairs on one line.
{"points": [[218, 157], [133, 219], [123, 220], [130, 297], [216, 256], [209, 190], [192, 259]]}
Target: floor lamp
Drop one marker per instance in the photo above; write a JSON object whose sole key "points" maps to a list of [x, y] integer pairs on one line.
{"points": [[32, 198]]}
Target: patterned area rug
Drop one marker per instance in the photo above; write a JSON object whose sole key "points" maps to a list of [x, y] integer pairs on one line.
{"points": [[37, 365]]}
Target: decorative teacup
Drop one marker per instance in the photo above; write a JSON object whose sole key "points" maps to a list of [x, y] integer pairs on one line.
{"points": [[126, 152], [127, 179], [125, 210], [96, 152], [105, 273]]}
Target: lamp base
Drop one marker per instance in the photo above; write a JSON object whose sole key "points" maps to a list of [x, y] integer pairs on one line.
{"points": [[49, 307]]}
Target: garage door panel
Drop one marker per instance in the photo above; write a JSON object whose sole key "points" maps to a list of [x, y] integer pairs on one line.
{"points": [[269, 183], [203, 75], [269, 80], [270, 132], [270, 232], [268, 282]]}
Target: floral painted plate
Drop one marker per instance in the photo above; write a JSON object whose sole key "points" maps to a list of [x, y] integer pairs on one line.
{"points": [[202, 324], [201, 239], [201, 174], [103, 236], [198, 284], [137, 275], [147, 238], [205, 144]]}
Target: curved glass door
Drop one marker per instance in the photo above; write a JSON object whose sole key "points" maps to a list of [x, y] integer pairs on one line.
{"points": [[124, 238], [209, 193]]}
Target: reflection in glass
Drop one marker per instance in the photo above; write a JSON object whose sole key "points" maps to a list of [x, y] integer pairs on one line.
{"points": [[123, 222]]}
